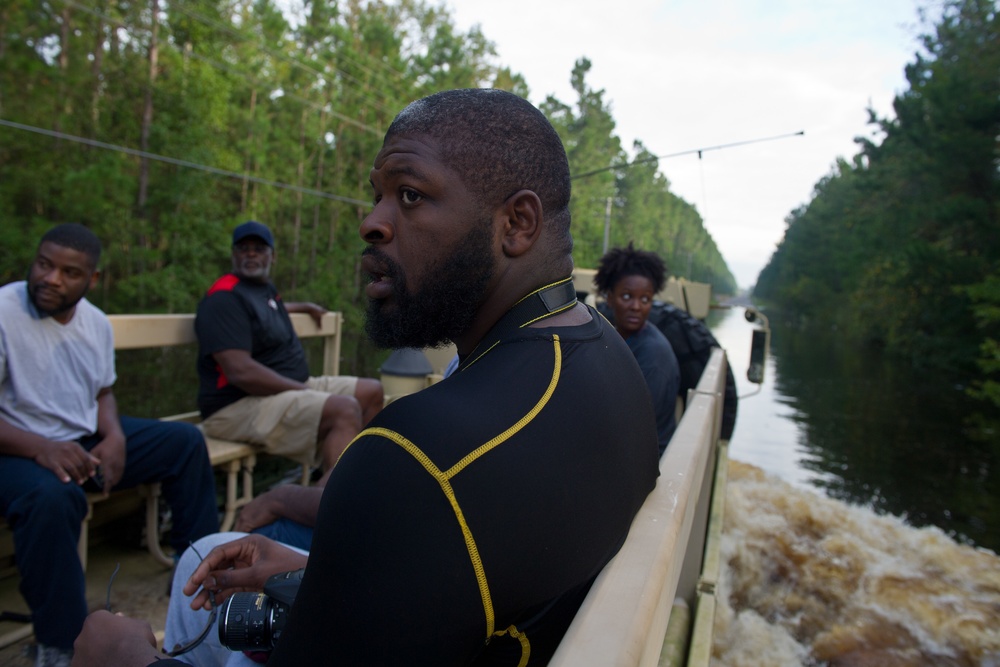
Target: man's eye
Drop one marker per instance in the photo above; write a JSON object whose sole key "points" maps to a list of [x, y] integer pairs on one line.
{"points": [[410, 196]]}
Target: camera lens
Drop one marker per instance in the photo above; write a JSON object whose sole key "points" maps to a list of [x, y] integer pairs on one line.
{"points": [[251, 621]]}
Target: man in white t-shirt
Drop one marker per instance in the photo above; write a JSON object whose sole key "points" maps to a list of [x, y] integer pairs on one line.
{"points": [[61, 436]]}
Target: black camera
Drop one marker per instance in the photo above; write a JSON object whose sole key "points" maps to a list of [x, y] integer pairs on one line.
{"points": [[254, 621]]}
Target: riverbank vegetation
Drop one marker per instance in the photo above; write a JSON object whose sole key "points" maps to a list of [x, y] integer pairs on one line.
{"points": [[900, 245], [161, 125]]}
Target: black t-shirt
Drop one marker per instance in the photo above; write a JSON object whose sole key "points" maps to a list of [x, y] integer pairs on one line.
{"points": [[656, 359], [242, 315], [465, 525]]}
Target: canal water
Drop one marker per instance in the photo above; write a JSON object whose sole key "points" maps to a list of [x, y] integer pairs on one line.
{"points": [[861, 513], [854, 426]]}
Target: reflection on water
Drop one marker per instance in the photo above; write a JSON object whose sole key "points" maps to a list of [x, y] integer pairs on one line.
{"points": [[864, 430], [810, 580]]}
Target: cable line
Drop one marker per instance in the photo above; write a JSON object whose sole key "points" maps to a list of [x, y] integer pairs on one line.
{"points": [[699, 151], [182, 163]]}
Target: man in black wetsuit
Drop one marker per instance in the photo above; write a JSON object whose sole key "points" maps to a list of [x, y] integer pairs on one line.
{"points": [[466, 523]]}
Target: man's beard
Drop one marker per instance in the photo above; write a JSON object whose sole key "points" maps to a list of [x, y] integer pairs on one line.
{"points": [[64, 303], [261, 274], [447, 303]]}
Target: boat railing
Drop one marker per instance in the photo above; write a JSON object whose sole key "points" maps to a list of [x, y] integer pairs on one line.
{"points": [[623, 620]]}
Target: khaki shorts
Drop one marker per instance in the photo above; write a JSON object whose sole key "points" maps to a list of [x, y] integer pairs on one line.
{"points": [[285, 424]]}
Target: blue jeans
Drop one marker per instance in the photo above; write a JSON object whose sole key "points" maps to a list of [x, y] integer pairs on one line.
{"points": [[288, 532], [45, 514]]}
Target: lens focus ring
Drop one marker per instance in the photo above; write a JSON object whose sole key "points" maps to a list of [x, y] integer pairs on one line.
{"points": [[243, 624]]}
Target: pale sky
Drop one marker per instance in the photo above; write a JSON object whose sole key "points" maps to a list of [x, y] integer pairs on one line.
{"points": [[690, 74]]}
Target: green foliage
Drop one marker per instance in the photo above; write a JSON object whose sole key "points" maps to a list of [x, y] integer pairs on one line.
{"points": [[264, 110], [986, 299], [898, 246]]}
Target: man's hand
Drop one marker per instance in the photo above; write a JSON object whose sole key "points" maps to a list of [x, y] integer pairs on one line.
{"points": [[260, 511], [289, 501], [313, 310], [111, 453], [242, 565], [68, 460], [107, 639], [111, 449]]}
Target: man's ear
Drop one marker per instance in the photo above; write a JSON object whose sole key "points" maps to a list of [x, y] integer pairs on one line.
{"points": [[523, 218], [95, 277]]}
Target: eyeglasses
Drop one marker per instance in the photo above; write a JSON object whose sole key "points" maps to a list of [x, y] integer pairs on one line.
{"points": [[258, 248]]}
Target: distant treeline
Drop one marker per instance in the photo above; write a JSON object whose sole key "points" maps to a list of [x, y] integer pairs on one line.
{"points": [[161, 125], [900, 247]]}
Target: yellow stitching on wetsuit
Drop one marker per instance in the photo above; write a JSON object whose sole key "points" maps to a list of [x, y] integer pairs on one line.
{"points": [[543, 287], [449, 492], [521, 637], [443, 478], [341, 455], [484, 353], [522, 422]]}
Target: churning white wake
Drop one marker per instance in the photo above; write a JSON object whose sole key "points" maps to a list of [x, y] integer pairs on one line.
{"points": [[812, 581]]}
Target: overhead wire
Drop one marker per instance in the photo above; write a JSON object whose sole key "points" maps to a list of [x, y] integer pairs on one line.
{"points": [[129, 28], [188, 163], [181, 163], [699, 151]]}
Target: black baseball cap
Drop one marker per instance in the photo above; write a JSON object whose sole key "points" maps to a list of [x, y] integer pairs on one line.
{"points": [[253, 228]]}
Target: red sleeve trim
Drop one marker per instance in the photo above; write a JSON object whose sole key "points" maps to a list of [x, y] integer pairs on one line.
{"points": [[222, 380], [224, 284]]}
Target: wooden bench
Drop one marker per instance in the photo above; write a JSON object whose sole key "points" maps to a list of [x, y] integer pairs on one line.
{"points": [[235, 458]]}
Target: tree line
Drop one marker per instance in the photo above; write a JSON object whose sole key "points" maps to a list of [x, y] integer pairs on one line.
{"points": [[160, 125], [899, 247]]}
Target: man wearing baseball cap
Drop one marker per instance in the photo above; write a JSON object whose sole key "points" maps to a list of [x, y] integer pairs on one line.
{"points": [[252, 228], [254, 383]]}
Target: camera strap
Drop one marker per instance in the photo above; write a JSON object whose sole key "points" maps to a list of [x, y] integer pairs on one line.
{"points": [[543, 302]]}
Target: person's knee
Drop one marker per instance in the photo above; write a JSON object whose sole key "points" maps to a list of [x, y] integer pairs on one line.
{"points": [[342, 408], [186, 435], [370, 395]]}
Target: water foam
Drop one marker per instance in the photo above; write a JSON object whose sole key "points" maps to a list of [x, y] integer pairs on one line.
{"points": [[812, 581]]}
